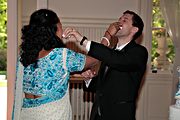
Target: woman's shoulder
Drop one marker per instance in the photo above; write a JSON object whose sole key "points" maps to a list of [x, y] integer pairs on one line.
{"points": [[60, 50], [68, 51]]}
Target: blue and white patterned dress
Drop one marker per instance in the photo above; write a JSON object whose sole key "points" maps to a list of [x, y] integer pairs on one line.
{"points": [[50, 80]]}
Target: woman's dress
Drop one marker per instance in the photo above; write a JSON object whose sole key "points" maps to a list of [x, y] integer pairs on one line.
{"points": [[50, 80]]}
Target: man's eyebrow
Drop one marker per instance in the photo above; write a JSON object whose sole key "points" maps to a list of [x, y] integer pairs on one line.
{"points": [[120, 18]]}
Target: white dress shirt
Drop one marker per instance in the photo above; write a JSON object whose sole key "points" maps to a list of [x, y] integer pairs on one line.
{"points": [[87, 82]]}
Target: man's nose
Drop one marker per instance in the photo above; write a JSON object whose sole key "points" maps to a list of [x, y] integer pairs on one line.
{"points": [[120, 22]]}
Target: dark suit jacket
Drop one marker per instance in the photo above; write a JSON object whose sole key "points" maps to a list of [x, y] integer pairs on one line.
{"points": [[116, 92]]}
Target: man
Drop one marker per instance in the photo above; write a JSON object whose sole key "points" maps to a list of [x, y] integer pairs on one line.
{"points": [[121, 71]]}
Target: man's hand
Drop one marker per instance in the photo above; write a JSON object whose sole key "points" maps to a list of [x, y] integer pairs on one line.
{"points": [[88, 74]]}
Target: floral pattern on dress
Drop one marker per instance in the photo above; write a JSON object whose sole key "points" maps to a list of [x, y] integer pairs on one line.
{"points": [[50, 79]]}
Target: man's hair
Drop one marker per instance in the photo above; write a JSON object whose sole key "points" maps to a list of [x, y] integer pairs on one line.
{"points": [[136, 22]]}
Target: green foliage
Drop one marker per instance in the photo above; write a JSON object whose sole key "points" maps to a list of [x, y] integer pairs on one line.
{"points": [[159, 25], [154, 53], [158, 20], [3, 34], [170, 53], [3, 23], [3, 72], [3, 59]]}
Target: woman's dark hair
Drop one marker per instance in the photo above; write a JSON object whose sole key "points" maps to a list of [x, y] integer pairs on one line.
{"points": [[137, 22], [39, 34]]}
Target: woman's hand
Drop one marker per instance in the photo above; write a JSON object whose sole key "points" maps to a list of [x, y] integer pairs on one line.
{"points": [[113, 29], [88, 74], [71, 32]]}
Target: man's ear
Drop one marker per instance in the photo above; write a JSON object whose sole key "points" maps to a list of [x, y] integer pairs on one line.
{"points": [[135, 29]]}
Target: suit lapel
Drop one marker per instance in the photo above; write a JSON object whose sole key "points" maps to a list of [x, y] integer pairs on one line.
{"points": [[104, 68], [129, 45]]}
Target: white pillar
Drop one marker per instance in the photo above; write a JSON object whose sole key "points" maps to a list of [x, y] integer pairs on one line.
{"points": [[12, 33]]}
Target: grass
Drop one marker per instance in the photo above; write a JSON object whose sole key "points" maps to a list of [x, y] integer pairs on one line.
{"points": [[3, 72]]}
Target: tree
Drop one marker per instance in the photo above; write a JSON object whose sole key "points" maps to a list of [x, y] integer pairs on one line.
{"points": [[3, 33], [159, 29]]}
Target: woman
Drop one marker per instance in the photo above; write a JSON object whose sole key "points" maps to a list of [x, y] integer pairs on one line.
{"points": [[44, 69]]}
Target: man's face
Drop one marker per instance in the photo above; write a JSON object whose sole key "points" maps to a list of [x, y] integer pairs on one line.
{"points": [[126, 25]]}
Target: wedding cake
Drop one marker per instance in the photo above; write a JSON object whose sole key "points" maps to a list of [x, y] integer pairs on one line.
{"points": [[174, 110]]}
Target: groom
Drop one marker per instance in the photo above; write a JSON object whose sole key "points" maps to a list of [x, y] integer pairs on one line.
{"points": [[117, 88], [121, 71]]}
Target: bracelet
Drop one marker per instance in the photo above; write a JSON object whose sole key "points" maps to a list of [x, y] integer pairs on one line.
{"points": [[83, 39], [109, 33], [106, 40]]}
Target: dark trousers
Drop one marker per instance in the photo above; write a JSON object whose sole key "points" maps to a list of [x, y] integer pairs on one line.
{"points": [[97, 117], [95, 113]]}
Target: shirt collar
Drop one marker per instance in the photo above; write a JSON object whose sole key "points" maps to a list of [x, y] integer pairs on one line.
{"points": [[121, 46]]}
